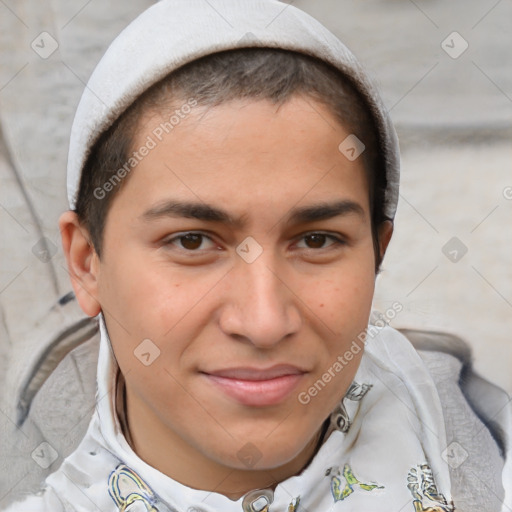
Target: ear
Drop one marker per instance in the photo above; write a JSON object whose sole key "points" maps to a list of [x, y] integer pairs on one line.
{"points": [[82, 261], [385, 233]]}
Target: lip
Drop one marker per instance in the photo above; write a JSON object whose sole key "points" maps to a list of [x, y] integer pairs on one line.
{"points": [[257, 387]]}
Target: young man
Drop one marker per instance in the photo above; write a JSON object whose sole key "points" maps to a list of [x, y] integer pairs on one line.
{"points": [[232, 185]]}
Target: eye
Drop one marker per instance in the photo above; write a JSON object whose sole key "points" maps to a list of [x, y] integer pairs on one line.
{"points": [[191, 241], [318, 241]]}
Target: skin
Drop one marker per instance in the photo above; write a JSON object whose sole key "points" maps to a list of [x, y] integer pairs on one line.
{"points": [[301, 302]]}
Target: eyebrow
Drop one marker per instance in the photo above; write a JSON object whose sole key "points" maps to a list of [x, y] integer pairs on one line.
{"points": [[326, 211], [210, 213]]}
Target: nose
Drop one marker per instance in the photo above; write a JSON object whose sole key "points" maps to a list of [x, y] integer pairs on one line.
{"points": [[261, 307]]}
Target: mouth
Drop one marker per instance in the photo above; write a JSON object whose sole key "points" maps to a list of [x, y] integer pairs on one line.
{"points": [[256, 387]]}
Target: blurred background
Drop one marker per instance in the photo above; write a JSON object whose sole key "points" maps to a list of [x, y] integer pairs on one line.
{"points": [[445, 72]]}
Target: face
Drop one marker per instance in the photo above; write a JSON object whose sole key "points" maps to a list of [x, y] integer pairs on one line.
{"points": [[241, 247]]}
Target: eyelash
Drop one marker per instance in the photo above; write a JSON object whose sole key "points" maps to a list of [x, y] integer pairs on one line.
{"points": [[336, 241], [170, 241]]}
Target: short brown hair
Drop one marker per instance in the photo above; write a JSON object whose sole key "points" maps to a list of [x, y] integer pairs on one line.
{"points": [[249, 73]]}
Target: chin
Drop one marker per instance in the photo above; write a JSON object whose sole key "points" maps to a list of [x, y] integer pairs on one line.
{"points": [[261, 454]]}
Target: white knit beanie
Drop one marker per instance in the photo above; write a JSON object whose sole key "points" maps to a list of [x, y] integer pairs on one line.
{"points": [[172, 33]]}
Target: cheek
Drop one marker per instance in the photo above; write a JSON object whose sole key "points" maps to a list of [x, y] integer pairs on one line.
{"points": [[145, 297], [134, 286], [344, 297]]}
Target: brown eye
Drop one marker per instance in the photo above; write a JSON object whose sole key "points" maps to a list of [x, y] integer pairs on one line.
{"points": [[319, 240], [191, 241], [315, 241]]}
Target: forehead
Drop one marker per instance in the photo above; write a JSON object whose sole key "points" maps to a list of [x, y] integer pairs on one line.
{"points": [[248, 155]]}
